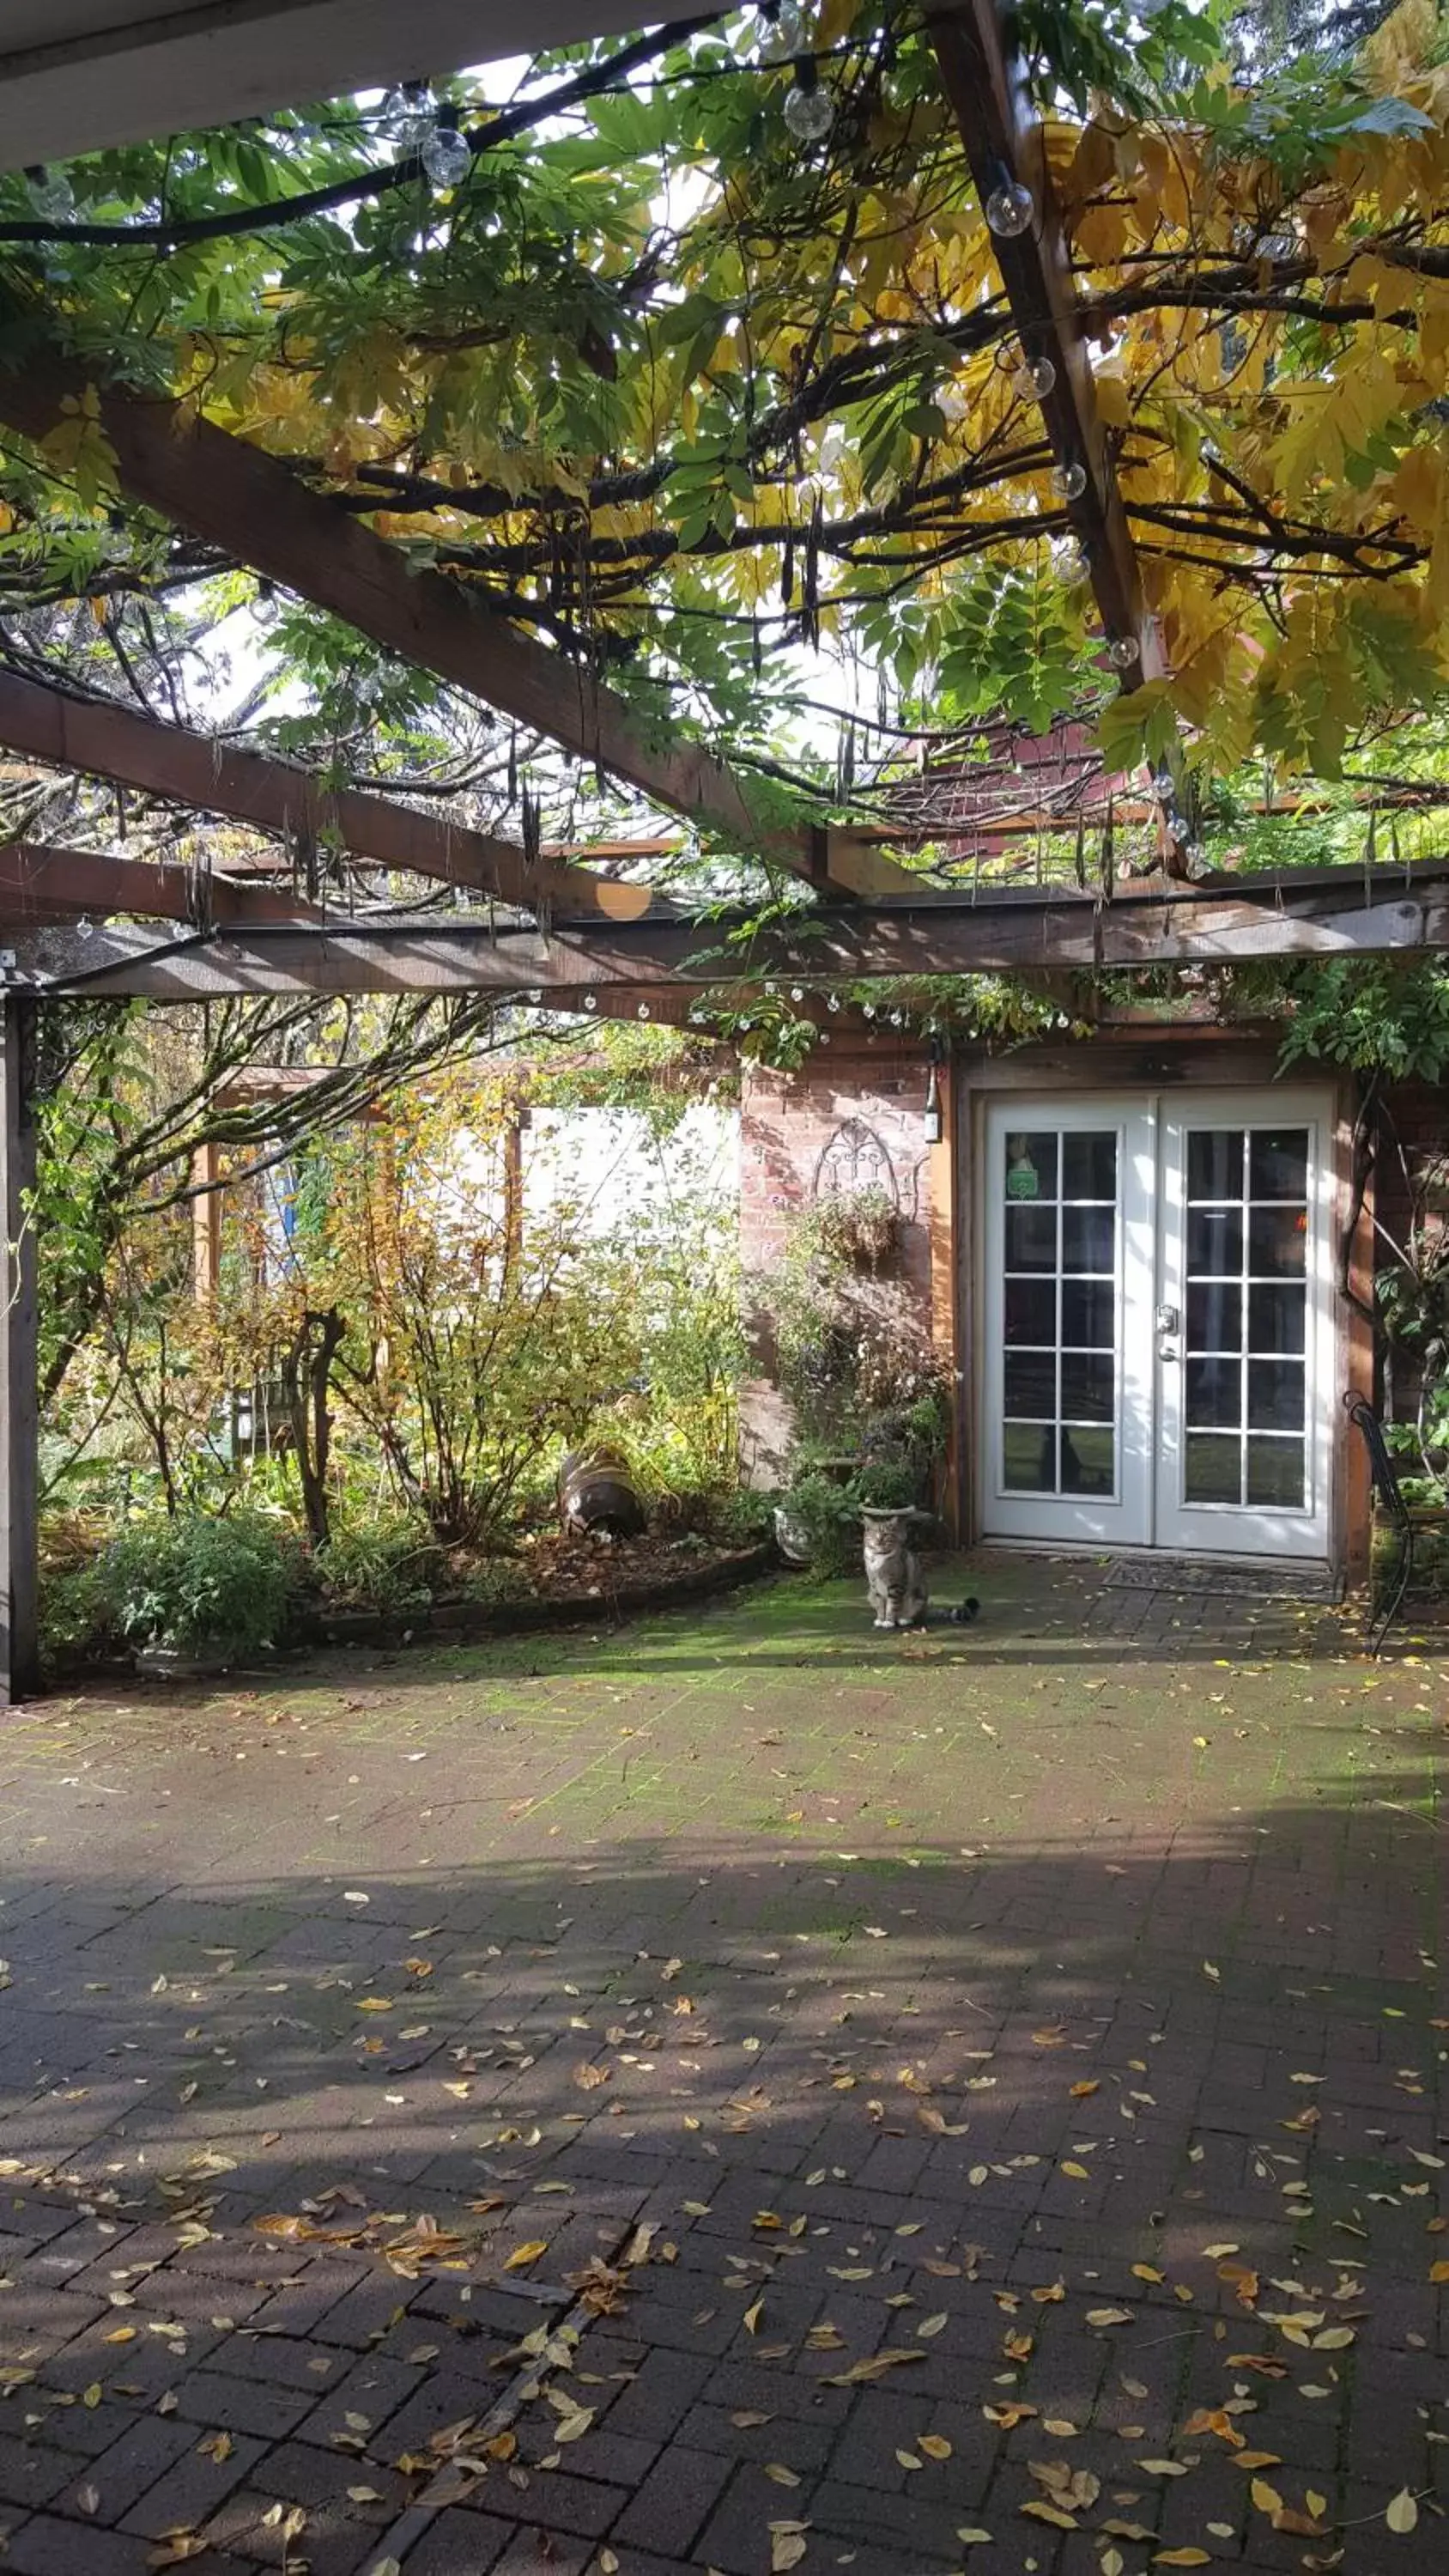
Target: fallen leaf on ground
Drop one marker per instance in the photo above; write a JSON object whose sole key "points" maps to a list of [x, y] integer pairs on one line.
{"points": [[1402, 2514]]}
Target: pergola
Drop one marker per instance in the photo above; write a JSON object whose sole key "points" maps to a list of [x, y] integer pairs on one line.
{"points": [[556, 929]]}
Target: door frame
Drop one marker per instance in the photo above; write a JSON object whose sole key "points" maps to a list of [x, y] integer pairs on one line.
{"points": [[1173, 1062]]}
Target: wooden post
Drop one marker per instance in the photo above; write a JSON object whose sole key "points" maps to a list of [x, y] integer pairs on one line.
{"points": [[206, 1223], [943, 1221], [19, 1371]]}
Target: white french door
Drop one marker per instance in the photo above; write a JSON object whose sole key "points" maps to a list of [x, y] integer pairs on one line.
{"points": [[1158, 1345]]}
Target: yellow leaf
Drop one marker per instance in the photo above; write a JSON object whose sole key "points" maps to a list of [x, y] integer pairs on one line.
{"points": [[1146, 2272], [931, 2326], [375, 2003], [935, 2446], [1082, 2092], [523, 2255], [1182, 2558], [1266, 2498], [1439, 2271], [1078, 2172], [787, 2548], [971, 2538], [752, 2317], [1402, 2515], [860, 2372], [782, 2476], [1051, 2513], [907, 2460]]}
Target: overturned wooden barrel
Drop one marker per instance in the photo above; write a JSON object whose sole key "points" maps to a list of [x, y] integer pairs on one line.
{"points": [[597, 1492]]}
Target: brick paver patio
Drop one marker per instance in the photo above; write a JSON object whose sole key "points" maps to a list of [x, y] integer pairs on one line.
{"points": [[742, 2092]]}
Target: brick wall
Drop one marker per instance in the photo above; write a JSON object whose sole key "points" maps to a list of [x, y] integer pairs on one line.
{"points": [[849, 1111]]}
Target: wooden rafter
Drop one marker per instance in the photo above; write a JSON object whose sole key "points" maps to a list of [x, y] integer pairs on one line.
{"points": [[1322, 913], [984, 81], [108, 740], [258, 510], [39, 882]]}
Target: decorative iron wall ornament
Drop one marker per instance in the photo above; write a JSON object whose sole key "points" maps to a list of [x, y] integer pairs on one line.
{"points": [[855, 1159]]}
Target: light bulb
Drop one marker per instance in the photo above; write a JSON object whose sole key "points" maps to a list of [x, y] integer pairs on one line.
{"points": [[1069, 482], [870, 1010], [408, 115], [1162, 781], [1071, 564], [832, 1002], [783, 33], [591, 1002], [51, 194], [643, 1010], [898, 1019], [1009, 209], [85, 928], [1034, 379], [809, 114], [446, 156], [797, 992], [1124, 652]]}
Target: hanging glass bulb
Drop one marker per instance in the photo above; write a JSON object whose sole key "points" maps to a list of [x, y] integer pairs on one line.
{"points": [[1034, 379], [898, 1019], [1163, 781], [808, 113], [591, 1002], [797, 992], [1010, 209], [85, 928], [1069, 481], [408, 115], [1124, 652], [51, 194], [1071, 564], [870, 1010], [832, 1002], [447, 155], [782, 35], [643, 1010]]}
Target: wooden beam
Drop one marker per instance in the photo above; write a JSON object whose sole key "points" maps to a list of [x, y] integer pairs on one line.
{"points": [[1017, 933], [257, 509], [206, 1223], [983, 76], [38, 881], [19, 1360], [107, 740]]}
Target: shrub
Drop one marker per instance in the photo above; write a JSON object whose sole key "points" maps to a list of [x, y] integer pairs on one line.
{"points": [[390, 1565], [829, 1516], [192, 1581]]}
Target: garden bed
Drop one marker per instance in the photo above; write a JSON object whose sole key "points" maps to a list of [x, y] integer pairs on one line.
{"points": [[562, 1583]]}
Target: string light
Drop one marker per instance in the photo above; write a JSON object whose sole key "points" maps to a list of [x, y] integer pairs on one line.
{"points": [[446, 154], [408, 115], [1010, 208], [1069, 481], [808, 110], [1124, 652], [85, 928], [51, 193], [782, 33], [1034, 379]]}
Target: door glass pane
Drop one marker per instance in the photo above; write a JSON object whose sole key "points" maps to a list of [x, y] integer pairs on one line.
{"points": [[1089, 1238], [1031, 1238], [1214, 1394], [1277, 1241], [1088, 1386], [1214, 1243], [1086, 1459], [1213, 1467], [1214, 1163], [1275, 1473], [1031, 1310], [1275, 1395], [1031, 1166], [1089, 1166], [1088, 1314], [1278, 1163], [1028, 1458], [1030, 1383], [1059, 1310], [1214, 1315], [1276, 1317]]}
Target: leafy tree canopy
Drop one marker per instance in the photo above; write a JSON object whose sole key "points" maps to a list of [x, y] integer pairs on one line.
{"points": [[681, 393]]}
